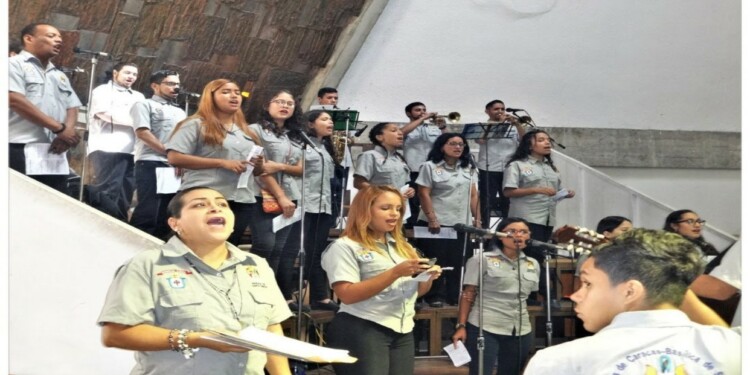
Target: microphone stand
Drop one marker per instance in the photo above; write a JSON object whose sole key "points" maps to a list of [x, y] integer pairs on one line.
{"points": [[480, 304], [340, 221], [520, 302], [89, 117], [301, 255], [548, 298], [466, 236]]}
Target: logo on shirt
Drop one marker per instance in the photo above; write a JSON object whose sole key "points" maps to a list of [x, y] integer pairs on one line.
{"points": [[665, 366], [530, 265], [176, 281], [252, 271], [438, 171], [365, 256], [493, 261], [527, 172]]}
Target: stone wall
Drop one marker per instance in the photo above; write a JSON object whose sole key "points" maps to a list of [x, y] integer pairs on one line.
{"points": [[265, 45]]}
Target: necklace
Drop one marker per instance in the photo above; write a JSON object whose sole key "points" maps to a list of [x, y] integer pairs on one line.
{"points": [[222, 292]]}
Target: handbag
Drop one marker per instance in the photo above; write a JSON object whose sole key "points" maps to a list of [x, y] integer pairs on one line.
{"points": [[270, 203]]}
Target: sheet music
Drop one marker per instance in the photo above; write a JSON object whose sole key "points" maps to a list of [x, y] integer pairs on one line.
{"points": [[167, 181], [407, 212], [424, 232], [246, 175], [561, 194], [258, 339], [39, 161], [460, 356], [281, 221]]}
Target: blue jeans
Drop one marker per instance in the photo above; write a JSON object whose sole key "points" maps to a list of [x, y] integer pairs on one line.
{"points": [[500, 348]]}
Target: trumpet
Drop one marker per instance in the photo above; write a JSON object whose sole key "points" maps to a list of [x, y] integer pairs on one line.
{"points": [[453, 117]]}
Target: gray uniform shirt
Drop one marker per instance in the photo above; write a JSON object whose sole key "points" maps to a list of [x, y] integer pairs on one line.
{"points": [[281, 150], [160, 117], [498, 151], [161, 288], [450, 191], [393, 307], [535, 208], [500, 299], [418, 144], [380, 167], [47, 88], [188, 139], [318, 174]]}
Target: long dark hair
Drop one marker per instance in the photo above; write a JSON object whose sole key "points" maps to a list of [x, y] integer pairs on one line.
{"points": [[610, 223], [437, 155], [674, 217], [524, 148], [292, 125], [311, 117], [378, 130]]}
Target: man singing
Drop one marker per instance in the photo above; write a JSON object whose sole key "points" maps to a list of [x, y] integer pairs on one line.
{"points": [[153, 121], [43, 105], [111, 141]]}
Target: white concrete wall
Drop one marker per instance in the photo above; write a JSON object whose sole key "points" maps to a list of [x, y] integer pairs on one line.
{"points": [[641, 64], [63, 256], [713, 194]]}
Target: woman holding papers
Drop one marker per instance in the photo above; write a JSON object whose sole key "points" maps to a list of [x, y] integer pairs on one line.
{"points": [[319, 168], [508, 277], [214, 148], [162, 300], [383, 165], [448, 194], [371, 268], [278, 130]]}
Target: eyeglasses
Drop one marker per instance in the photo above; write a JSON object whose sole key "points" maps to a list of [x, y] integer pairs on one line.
{"points": [[693, 221], [171, 84], [513, 232], [456, 144], [289, 104]]}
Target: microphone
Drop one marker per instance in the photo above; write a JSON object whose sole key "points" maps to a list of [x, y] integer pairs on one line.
{"points": [[189, 94], [514, 110], [102, 54], [552, 248], [306, 140], [479, 231], [360, 131]]}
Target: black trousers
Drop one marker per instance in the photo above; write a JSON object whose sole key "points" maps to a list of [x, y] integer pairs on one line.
{"points": [[380, 350], [449, 253], [316, 240], [413, 201], [17, 162], [113, 183], [490, 185], [150, 214]]}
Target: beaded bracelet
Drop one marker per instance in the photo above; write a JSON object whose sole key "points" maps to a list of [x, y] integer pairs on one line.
{"points": [[183, 346], [171, 341]]}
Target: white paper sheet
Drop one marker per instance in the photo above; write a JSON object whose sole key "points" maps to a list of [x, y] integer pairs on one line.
{"points": [[39, 161], [281, 221], [561, 194], [460, 356], [407, 213], [248, 174], [258, 339], [167, 181], [424, 232]]}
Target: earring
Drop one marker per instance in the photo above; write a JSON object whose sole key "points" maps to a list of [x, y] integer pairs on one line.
{"points": [[179, 231]]}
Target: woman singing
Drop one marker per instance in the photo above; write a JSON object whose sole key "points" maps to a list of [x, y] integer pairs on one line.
{"points": [[283, 162], [448, 195], [383, 165], [161, 300], [508, 278], [319, 170], [688, 224], [370, 268], [212, 146]]}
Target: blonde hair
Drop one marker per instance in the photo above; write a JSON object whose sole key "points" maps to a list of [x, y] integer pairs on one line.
{"points": [[358, 222]]}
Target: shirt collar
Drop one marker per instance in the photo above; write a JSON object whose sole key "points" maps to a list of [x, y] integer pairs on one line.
{"points": [[650, 318], [120, 88], [175, 248], [159, 99], [381, 150], [445, 165], [29, 57]]}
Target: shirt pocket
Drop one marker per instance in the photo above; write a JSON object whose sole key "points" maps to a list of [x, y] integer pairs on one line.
{"points": [[529, 281], [64, 88], [500, 280], [34, 86], [181, 306]]}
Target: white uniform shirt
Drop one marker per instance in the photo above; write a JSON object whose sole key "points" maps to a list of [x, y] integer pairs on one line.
{"points": [[730, 272], [645, 342], [116, 135]]}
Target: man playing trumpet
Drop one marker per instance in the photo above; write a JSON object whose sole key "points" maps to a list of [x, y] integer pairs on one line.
{"points": [[493, 155]]}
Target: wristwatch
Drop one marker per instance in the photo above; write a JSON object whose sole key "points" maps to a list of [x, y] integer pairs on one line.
{"points": [[460, 325]]}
